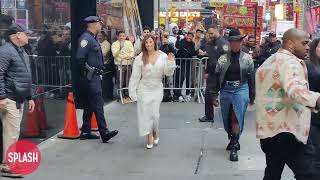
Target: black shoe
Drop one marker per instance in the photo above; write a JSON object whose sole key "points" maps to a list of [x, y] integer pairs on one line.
{"points": [[205, 119], [236, 145], [234, 155], [84, 136], [108, 135]]}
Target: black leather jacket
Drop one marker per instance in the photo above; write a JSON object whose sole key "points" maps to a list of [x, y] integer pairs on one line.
{"points": [[314, 79], [15, 73]]}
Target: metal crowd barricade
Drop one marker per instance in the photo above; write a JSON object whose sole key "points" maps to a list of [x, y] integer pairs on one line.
{"points": [[202, 80], [188, 78], [123, 76], [50, 72]]}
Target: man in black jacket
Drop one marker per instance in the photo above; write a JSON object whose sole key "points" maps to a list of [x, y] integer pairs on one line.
{"points": [[269, 48], [215, 46], [186, 49], [15, 87]]}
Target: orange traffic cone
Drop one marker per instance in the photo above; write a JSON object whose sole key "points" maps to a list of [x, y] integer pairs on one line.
{"points": [[42, 112], [94, 125], [32, 129], [71, 129]]}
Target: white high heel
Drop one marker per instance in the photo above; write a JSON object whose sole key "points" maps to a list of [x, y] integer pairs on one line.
{"points": [[156, 141], [149, 146]]}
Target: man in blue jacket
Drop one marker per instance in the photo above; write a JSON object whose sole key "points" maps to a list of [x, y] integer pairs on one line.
{"points": [[15, 87]]}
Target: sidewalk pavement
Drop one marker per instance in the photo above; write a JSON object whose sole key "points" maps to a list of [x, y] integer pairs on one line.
{"points": [[187, 149]]}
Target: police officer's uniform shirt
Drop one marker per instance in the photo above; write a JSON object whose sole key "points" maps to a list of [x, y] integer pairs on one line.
{"points": [[215, 50], [89, 51]]}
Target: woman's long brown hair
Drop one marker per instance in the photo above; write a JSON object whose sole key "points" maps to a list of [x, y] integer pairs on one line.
{"points": [[145, 53]]}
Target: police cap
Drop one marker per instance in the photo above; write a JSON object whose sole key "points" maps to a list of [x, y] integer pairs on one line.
{"points": [[92, 19]]}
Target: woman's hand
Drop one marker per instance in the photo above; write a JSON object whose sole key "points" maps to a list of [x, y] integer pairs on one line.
{"points": [[171, 57]]}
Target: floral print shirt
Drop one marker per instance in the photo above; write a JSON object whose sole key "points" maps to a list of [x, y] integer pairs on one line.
{"points": [[283, 98]]}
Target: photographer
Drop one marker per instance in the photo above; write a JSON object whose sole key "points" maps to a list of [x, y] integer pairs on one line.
{"points": [[186, 49]]}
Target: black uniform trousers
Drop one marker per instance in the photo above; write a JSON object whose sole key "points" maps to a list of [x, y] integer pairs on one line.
{"points": [[284, 149], [315, 139], [93, 103], [209, 96]]}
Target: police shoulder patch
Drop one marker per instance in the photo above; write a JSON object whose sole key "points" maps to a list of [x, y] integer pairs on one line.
{"points": [[225, 47], [83, 43]]}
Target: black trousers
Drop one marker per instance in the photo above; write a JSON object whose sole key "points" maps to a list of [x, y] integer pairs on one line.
{"points": [[93, 103], [107, 85], [209, 96], [182, 73], [315, 139], [285, 149]]}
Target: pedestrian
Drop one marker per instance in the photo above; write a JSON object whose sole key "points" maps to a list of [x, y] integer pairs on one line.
{"points": [[123, 53], [251, 48], [90, 59], [167, 48], [15, 83], [313, 66], [146, 87], [214, 46], [186, 50], [234, 71], [145, 31], [271, 46], [283, 103], [107, 78]]}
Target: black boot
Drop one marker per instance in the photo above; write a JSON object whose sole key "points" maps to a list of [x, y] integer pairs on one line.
{"points": [[236, 144], [234, 151]]}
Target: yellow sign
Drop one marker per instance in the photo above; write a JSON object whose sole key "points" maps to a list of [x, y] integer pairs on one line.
{"points": [[116, 3], [218, 3], [298, 8]]}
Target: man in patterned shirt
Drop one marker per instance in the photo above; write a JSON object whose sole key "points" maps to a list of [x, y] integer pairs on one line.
{"points": [[284, 103]]}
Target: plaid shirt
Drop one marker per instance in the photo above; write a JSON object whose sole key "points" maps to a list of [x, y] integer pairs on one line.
{"points": [[283, 98]]}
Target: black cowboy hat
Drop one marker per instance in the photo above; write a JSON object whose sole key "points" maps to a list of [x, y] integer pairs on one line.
{"points": [[235, 35]]}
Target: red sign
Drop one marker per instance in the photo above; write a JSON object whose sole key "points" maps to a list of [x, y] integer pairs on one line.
{"points": [[61, 6], [241, 16], [243, 11]]}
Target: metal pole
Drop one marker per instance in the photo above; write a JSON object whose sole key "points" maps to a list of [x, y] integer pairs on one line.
{"points": [[167, 16], [256, 20], [15, 10], [159, 14]]}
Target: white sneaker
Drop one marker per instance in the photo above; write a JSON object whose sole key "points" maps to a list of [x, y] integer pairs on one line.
{"points": [[149, 146], [156, 141], [181, 99], [188, 98]]}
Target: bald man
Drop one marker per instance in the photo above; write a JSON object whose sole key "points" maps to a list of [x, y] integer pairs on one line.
{"points": [[283, 109]]}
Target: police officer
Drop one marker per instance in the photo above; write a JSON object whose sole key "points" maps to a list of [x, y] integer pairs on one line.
{"points": [[214, 47], [90, 59]]}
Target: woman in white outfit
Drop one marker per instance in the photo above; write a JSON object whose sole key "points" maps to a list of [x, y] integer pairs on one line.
{"points": [[146, 87]]}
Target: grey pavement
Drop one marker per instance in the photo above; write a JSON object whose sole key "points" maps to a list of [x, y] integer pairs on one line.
{"points": [[187, 149]]}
